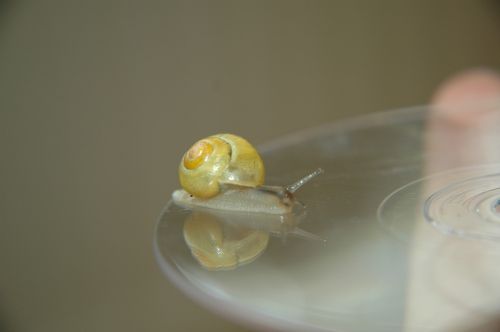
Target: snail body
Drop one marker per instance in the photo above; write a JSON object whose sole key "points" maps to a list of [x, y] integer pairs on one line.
{"points": [[255, 200], [225, 172]]}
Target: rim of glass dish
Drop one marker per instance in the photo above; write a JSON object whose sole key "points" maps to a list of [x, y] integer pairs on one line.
{"points": [[245, 314]]}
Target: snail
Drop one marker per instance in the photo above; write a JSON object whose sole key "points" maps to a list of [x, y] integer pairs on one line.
{"points": [[225, 172]]}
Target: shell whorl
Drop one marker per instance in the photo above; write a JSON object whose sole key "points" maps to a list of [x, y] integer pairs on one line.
{"points": [[218, 160]]}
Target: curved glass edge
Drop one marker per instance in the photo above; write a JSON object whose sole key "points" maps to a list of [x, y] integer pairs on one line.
{"points": [[348, 123]]}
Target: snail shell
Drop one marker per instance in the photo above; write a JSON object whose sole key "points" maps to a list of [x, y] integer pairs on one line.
{"points": [[219, 160]]}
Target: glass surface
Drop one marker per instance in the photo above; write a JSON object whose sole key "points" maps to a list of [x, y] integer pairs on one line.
{"points": [[400, 232]]}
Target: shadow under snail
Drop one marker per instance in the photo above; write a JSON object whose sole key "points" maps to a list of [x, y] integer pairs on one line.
{"points": [[225, 172]]}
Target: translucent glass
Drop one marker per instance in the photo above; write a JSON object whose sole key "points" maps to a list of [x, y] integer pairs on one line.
{"points": [[400, 233]]}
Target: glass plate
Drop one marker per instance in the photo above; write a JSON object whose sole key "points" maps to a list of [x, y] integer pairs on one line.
{"points": [[400, 232]]}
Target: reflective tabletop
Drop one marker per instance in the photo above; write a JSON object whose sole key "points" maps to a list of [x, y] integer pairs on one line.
{"points": [[400, 233]]}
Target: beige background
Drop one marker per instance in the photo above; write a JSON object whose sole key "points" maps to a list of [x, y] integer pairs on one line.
{"points": [[99, 99]]}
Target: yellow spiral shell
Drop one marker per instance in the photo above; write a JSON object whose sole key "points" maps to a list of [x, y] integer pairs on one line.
{"points": [[217, 160]]}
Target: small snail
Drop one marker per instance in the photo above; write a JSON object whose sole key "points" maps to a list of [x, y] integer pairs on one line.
{"points": [[225, 172]]}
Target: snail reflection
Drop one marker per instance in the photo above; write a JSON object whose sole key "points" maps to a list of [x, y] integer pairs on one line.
{"points": [[216, 245], [234, 212], [223, 240]]}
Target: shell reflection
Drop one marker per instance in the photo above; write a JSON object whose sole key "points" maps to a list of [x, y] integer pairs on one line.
{"points": [[217, 246], [221, 240]]}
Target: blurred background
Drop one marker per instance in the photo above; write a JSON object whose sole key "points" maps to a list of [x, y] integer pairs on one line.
{"points": [[99, 100]]}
